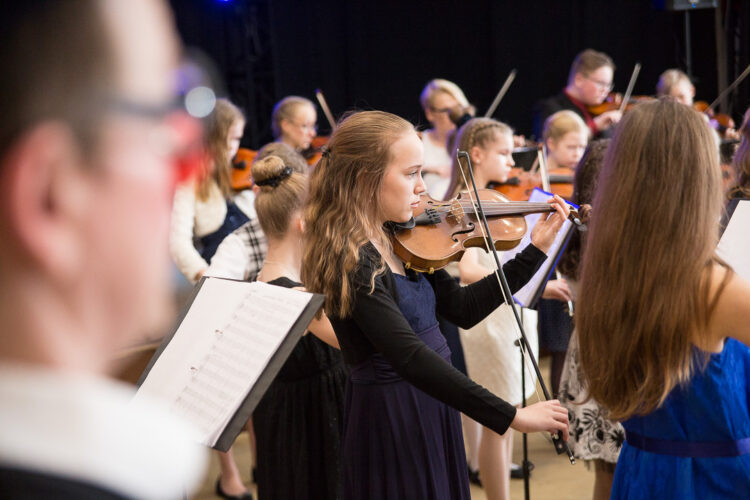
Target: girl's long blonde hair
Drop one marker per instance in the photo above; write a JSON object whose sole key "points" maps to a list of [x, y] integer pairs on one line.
{"points": [[476, 132], [343, 204], [644, 301], [217, 168]]}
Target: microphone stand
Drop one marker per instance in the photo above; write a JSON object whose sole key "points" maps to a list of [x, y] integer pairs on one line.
{"points": [[560, 445]]}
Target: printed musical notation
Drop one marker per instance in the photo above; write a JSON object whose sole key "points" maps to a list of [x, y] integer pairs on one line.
{"points": [[220, 350]]}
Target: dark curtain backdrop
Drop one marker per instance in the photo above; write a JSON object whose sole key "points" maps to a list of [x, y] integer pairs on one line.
{"points": [[379, 55]]}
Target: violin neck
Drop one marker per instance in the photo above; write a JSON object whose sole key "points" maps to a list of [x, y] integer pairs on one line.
{"points": [[516, 208]]}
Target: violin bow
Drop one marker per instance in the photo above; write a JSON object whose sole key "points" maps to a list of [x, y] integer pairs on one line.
{"points": [[736, 82], [324, 106], [501, 93], [561, 446], [631, 84]]}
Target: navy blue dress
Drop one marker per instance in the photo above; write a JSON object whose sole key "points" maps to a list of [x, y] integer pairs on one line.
{"points": [[398, 440], [711, 412], [402, 434]]}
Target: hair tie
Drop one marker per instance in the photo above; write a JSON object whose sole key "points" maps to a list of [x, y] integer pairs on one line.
{"points": [[325, 152], [275, 180]]}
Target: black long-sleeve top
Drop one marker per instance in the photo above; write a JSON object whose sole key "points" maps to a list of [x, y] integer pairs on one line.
{"points": [[377, 325]]}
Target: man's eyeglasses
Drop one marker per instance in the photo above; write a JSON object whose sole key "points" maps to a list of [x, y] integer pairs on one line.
{"points": [[608, 86]]}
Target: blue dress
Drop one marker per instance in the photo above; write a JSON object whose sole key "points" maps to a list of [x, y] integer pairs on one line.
{"points": [[712, 408], [398, 441]]}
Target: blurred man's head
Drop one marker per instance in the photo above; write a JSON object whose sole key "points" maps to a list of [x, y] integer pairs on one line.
{"points": [[85, 176]]}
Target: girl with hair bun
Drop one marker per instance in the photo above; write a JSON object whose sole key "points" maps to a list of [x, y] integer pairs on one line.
{"points": [[654, 293], [298, 421], [402, 433]]}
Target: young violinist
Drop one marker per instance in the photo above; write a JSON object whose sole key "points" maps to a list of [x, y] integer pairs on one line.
{"points": [[402, 437], [294, 122], [589, 83], [439, 98], [675, 314], [565, 135], [677, 85], [491, 358], [207, 209]]}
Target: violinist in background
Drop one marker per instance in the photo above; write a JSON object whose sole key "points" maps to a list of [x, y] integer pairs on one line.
{"points": [[677, 85], [741, 189], [439, 98], [491, 358], [294, 122], [589, 83], [207, 210], [566, 137]]}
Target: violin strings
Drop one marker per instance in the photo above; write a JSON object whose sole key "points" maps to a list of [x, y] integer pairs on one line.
{"points": [[527, 365]]}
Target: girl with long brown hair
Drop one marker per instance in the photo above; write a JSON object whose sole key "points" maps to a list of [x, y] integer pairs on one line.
{"points": [[401, 438], [657, 308]]}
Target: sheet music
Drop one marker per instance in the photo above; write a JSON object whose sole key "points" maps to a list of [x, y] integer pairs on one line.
{"points": [[220, 350], [736, 240], [526, 294]]}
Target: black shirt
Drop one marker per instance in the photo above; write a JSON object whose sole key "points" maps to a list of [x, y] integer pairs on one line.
{"points": [[377, 325]]}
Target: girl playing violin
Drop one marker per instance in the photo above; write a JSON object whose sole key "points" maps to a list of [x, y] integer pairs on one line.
{"points": [[565, 135], [491, 358], [402, 437], [439, 98], [654, 292], [208, 210]]}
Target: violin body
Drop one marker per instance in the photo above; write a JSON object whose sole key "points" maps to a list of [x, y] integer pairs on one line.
{"points": [[242, 177], [521, 183], [445, 229]]}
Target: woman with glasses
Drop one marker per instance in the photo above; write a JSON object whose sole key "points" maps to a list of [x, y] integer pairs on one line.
{"points": [[293, 122], [589, 83]]}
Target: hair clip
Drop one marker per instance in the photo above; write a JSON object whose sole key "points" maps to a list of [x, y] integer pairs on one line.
{"points": [[275, 180]]}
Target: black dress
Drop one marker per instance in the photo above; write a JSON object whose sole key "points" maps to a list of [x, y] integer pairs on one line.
{"points": [[298, 423], [402, 437]]}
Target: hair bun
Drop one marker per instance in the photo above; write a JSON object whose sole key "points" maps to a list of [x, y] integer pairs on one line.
{"points": [[270, 171]]}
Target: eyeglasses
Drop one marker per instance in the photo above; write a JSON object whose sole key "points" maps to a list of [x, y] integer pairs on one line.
{"points": [[178, 135], [440, 110], [307, 126], [602, 85]]}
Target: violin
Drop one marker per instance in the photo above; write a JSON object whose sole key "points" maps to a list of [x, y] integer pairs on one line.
{"points": [[721, 122], [440, 231], [313, 154], [521, 183], [242, 162]]}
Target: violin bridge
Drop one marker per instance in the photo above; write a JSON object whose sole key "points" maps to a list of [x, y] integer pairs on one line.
{"points": [[457, 211]]}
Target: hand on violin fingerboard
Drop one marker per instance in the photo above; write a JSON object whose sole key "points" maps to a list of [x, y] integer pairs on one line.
{"points": [[546, 228]]}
